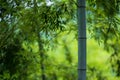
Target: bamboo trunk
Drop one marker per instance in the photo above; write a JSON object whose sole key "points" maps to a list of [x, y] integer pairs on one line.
{"points": [[81, 40], [41, 49], [40, 42]]}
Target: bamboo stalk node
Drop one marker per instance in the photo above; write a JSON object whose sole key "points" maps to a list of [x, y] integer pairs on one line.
{"points": [[80, 6], [82, 69], [82, 38]]}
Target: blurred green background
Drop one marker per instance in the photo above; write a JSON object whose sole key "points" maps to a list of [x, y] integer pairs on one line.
{"points": [[38, 40]]}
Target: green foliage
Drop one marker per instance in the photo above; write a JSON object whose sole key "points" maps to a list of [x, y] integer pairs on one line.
{"points": [[37, 39], [104, 27]]}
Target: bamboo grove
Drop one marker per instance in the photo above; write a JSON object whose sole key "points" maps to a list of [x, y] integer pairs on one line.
{"points": [[38, 39]]}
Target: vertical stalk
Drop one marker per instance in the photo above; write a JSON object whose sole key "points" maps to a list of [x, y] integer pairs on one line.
{"points": [[41, 49], [40, 44], [81, 40]]}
